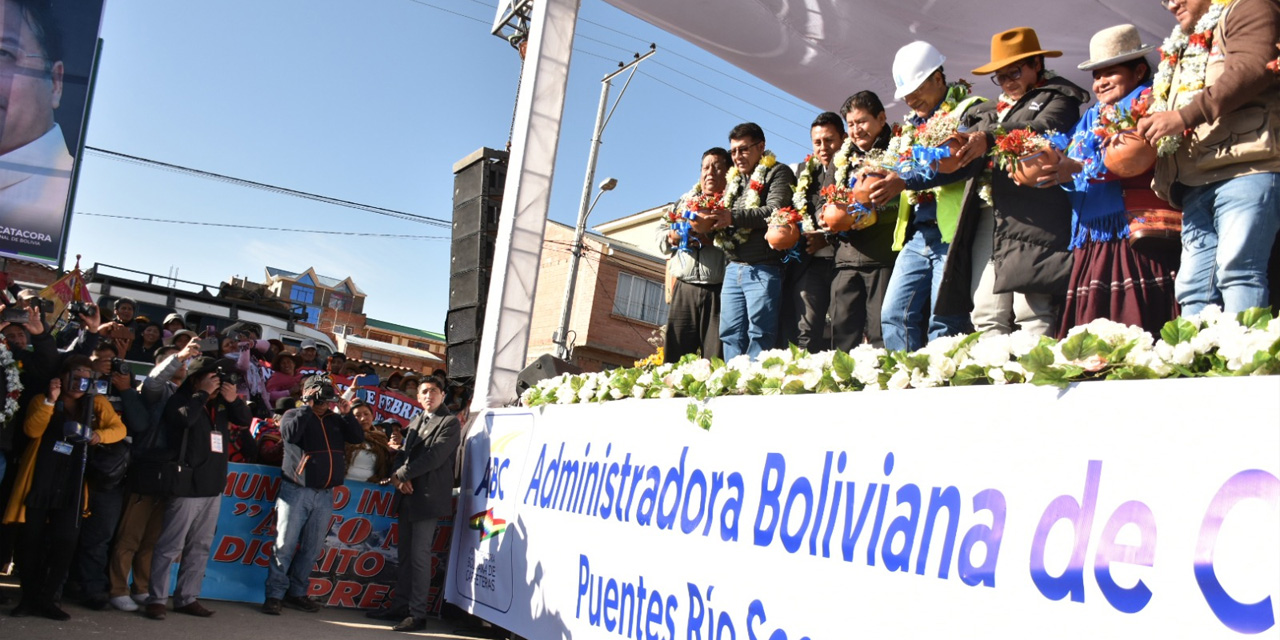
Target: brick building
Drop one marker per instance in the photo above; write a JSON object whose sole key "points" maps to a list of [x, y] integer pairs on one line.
{"points": [[29, 274], [618, 304], [336, 306], [394, 346]]}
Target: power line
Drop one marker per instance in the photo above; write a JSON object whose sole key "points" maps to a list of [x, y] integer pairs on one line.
{"points": [[779, 96], [460, 15], [802, 145], [256, 228], [382, 211]]}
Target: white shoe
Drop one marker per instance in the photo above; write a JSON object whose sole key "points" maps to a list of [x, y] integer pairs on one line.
{"points": [[141, 598], [124, 603]]}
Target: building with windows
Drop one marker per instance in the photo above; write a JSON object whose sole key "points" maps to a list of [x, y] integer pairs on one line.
{"points": [[619, 306], [393, 345], [336, 306]]}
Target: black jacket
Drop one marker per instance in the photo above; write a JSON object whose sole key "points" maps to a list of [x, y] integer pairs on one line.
{"points": [[1033, 226], [427, 460], [776, 194], [873, 246], [314, 448], [198, 417]]}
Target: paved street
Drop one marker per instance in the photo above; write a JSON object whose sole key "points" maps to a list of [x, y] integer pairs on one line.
{"points": [[232, 620]]}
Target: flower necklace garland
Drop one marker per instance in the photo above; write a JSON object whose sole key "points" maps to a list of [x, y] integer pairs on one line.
{"points": [[13, 383], [729, 238], [1190, 56], [904, 143], [800, 197]]}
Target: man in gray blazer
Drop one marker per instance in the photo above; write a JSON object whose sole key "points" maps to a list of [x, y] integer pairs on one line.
{"points": [[423, 479]]}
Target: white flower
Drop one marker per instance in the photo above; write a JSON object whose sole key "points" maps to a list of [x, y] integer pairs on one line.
{"points": [[941, 367], [900, 379], [991, 350], [1183, 353], [811, 378], [667, 393], [997, 375], [615, 393]]}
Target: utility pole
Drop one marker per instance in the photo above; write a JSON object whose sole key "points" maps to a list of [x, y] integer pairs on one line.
{"points": [[602, 120]]}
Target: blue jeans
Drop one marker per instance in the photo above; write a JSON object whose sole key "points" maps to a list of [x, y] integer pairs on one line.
{"points": [[913, 289], [302, 520], [750, 299], [1228, 228]]}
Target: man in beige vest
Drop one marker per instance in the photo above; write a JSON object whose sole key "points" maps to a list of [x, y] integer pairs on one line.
{"points": [[1220, 99]]}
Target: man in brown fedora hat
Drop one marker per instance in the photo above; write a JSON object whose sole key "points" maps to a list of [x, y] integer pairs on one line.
{"points": [[1217, 111]]}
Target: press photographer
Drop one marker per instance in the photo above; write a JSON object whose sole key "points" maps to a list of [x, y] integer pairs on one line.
{"points": [[142, 520], [197, 432], [50, 493], [105, 475], [314, 463]]}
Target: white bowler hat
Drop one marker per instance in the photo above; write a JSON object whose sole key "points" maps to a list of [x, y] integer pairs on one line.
{"points": [[912, 65], [1114, 45]]}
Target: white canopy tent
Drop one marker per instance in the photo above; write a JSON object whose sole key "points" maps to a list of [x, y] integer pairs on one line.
{"points": [[820, 51], [824, 50]]}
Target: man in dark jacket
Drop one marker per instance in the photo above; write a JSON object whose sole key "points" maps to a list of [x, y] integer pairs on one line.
{"points": [[314, 440], [196, 423], [750, 298], [864, 258], [423, 479]]}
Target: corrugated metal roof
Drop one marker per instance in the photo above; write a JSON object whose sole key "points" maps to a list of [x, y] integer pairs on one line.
{"points": [[399, 328], [386, 347]]}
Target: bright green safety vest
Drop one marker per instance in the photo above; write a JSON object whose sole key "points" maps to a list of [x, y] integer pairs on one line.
{"points": [[950, 199]]}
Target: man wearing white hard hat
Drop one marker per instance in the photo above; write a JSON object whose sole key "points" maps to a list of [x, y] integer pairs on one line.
{"points": [[931, 205]]}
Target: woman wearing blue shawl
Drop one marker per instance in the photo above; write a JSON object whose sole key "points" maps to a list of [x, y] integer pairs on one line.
{"points": [[1113, 277]]}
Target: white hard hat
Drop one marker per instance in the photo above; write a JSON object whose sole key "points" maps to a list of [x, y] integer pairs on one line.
{"points": [[913, 65]]}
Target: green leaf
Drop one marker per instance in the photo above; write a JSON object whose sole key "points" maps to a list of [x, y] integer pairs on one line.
{"points": [[843, 365], [794, 387], [964, 344], [775, 361], [704, 419], [1081, 346], [1255, 318], [972, 374], [691, 412], [1038, 360], [1177, 331], [1133, 373]]}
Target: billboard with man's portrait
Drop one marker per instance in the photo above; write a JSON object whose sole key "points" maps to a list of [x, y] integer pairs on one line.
{"points": [[46, 60]]}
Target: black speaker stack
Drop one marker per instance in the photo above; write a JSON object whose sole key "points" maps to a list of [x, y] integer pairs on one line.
{"points": [[478, 180]]}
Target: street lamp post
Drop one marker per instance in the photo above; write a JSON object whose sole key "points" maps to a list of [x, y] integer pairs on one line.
{"points": [[602, 120], [566, 306]]}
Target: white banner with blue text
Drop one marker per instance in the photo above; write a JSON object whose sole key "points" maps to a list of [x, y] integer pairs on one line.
{"points": [[1131, 509]]}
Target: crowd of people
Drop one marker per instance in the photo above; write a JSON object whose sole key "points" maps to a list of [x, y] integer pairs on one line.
{"points": [[944, 242], [109, 481]]}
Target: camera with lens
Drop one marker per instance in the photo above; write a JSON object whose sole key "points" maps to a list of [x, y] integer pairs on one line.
{"points": [[78, 308], [118, 366], [75, 432], [43, 304], [228, 374]]}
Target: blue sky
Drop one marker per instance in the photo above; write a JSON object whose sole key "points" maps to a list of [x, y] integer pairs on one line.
{"points": [[370, 101]]}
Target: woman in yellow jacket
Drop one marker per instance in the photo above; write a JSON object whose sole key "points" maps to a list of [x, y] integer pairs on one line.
{"points": [[49, 495]]}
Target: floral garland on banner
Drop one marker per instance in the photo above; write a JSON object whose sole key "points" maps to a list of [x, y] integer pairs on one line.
{"points": [[13, 383], [729, 238], [1210, 344], [1189, 54], [800, 194]]}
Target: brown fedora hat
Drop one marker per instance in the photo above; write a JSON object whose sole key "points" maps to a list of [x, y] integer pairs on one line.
{"points": [[1008, 47]]}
